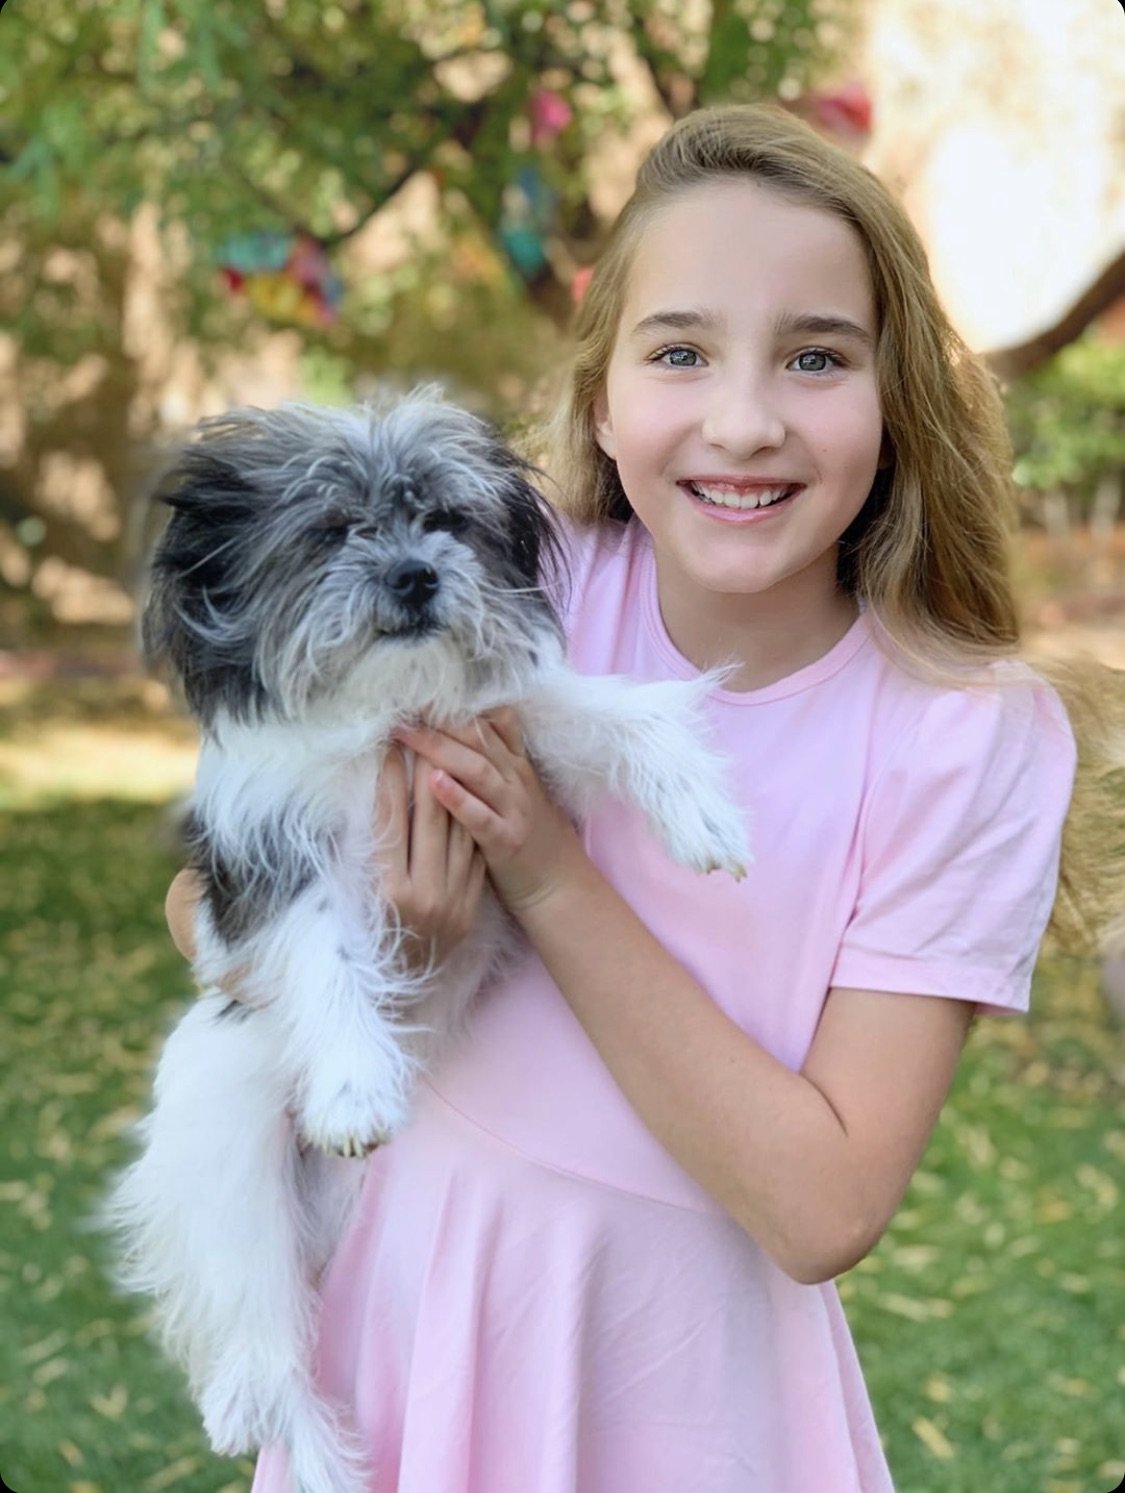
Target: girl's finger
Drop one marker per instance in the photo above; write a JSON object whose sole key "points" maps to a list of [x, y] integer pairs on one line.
{"points": [[478, 870], [460, 757], [483, 823], [459, 856], [429, 831], [506, 724], [392, 813], [476, 735], [496, 734]]}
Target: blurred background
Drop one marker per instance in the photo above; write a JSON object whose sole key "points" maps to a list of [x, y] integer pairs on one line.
{"points": [[209, 202]]}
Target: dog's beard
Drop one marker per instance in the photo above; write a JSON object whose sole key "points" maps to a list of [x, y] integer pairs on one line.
{"points": [[350, 645], [320, 558]]}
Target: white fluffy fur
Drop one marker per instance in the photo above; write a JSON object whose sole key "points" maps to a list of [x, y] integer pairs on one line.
{"points": [[234, 1204]]}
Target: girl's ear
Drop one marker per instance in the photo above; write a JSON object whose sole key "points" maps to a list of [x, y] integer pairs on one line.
{"points": [[603, 427]]}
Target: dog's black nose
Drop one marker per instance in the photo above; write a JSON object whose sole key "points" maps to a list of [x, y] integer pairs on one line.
{"points": [[413, 582]]}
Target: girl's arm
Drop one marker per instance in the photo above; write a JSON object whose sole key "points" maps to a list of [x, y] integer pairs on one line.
{"points": [[814, 1164], [811, 1164]]}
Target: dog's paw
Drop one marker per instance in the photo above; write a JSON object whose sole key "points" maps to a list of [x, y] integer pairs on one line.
{"points": [[711, 845], [349, 1120], [699, 823]]}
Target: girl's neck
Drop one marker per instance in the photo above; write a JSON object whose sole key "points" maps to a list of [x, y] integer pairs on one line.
{"points": [[769, 635]]}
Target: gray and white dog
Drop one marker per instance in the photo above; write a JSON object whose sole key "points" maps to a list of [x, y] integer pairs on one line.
{"points": [[327, 576]]}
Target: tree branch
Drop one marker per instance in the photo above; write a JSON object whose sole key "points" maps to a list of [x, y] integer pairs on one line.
{"points": [[466, 130], [1011, 362], [279, 209], [654, 58]]}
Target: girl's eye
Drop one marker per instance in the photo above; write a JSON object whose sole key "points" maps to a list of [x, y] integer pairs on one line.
{"points": [[445, 520], [677, 357], [824, 362]]}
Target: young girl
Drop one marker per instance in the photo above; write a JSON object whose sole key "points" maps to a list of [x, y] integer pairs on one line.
{"points": [[601, 1258]]}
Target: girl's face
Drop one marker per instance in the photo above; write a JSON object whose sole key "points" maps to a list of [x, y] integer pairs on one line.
{"points": [[740, 402]]}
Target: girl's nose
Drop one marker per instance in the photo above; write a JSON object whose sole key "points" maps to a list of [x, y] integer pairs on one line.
{"points": [[741, 419]]}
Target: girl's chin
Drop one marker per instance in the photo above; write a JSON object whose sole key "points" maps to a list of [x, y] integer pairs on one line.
{"points": [[728, 580]]}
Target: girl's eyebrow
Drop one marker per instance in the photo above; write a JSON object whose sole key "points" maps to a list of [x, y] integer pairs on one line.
{"points": [[787, 323], [676, 321], [822, 326]]}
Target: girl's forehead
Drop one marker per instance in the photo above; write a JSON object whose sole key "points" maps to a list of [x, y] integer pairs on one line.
{"points": [[737, 245]]}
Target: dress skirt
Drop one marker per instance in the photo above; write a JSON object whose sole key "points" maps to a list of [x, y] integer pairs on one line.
{"points": [[494, 1325]]}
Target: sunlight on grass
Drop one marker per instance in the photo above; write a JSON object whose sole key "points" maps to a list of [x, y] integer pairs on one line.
{"points": [[81, 762], [90, 739]]}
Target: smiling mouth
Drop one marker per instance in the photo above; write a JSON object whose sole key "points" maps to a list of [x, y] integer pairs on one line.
{"points": [[761, 497]]}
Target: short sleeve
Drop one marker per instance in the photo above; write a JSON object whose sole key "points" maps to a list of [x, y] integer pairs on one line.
{"points": [[959, 846]]}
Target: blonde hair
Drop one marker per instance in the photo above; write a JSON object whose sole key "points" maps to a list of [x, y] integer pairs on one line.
{"points": [[929, 554]]}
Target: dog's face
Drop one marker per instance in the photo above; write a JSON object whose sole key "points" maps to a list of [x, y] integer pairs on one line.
{"points": [[308, 545]]}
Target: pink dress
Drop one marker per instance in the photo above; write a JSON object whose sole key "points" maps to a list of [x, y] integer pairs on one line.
{"points": [[534, 1297]]}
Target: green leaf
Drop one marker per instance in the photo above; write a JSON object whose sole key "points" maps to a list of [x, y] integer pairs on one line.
{"points": [[153, 22]]}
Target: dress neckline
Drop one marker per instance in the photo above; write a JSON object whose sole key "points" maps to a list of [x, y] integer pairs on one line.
{"points": [[806, 677]]}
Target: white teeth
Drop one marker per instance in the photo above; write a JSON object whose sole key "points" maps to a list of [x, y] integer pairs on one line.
{"points": [[724, 498]]}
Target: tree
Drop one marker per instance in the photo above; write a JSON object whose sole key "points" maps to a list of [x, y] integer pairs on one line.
{"points": [[1067, 419], [258, 128], [302, 121], [301, 115]]}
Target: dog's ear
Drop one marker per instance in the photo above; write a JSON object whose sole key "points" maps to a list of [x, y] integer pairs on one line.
{"points": [[531, 522], [210, 503], [188, 624], [526, 525], [205, 481]]}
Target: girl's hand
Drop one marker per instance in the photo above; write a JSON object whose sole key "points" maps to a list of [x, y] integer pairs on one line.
{"points": [[487, 783], [430, 869], [180, 908]]}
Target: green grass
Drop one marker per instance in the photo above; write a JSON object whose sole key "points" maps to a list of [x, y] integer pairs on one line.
{"points": [[89, 981], [990, 1321]]}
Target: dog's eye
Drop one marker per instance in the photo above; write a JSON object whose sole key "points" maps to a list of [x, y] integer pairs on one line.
{"points": [[334, 528], [445, 520]]}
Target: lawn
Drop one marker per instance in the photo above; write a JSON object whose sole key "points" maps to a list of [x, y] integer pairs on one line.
{"points": [[990, 1321]]}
